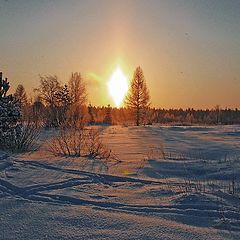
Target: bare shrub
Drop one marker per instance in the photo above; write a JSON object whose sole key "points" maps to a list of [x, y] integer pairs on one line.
{"points": [[28, 137], [69, 142], [94, 145], [77, 142]]}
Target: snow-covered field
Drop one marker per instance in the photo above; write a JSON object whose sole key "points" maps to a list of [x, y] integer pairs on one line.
{"points": [[173, 182]]}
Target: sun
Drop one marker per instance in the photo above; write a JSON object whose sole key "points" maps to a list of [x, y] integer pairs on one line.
{"points": [[118, 86]]}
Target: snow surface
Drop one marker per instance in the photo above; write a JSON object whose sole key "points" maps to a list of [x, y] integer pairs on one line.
{"points": [[173, 182]]}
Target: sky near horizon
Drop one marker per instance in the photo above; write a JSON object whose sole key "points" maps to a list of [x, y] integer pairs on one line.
{"points": [[189, 50]]}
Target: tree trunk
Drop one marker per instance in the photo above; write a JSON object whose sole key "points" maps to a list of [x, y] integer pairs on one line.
{"points": [[138, 116]]}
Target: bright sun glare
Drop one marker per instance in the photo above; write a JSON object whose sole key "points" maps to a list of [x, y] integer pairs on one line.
{"points": [[118, 86]]}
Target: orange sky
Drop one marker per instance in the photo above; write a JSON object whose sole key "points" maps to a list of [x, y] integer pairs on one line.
{"points": [[189, 51]]}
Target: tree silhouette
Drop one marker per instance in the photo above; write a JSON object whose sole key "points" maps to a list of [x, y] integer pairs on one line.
{"points": [[48, 92], [48, 89], [77, 89], [78, 96], [138, 98], [91, 114], [21, 95], [63, 102], [108, 115], [4, 86]]}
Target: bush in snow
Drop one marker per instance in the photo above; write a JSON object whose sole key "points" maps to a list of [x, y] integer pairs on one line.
{"points": [[80, 141]]}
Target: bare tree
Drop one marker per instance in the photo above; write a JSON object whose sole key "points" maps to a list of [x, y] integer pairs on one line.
{"points": [[78, 96], [48, 89], [77, 89], [48, 92], [138, 98]]}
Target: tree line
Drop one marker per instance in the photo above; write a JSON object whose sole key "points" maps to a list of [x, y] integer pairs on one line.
{"points": [[56, 104]]}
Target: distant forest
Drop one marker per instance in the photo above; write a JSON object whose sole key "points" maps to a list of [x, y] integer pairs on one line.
{"points": [[108, 115], [92, 115], [56, 105], [214, 116]]}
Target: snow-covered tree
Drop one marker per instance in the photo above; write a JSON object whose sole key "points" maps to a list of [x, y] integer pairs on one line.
{"points": [[10, 114]]}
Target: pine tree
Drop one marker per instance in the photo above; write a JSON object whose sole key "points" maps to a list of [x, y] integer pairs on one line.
{"points": [[138, 98], [108, 115], [63, 102], [63, 98], [21, 95], [10, 114], [91, 114]]}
